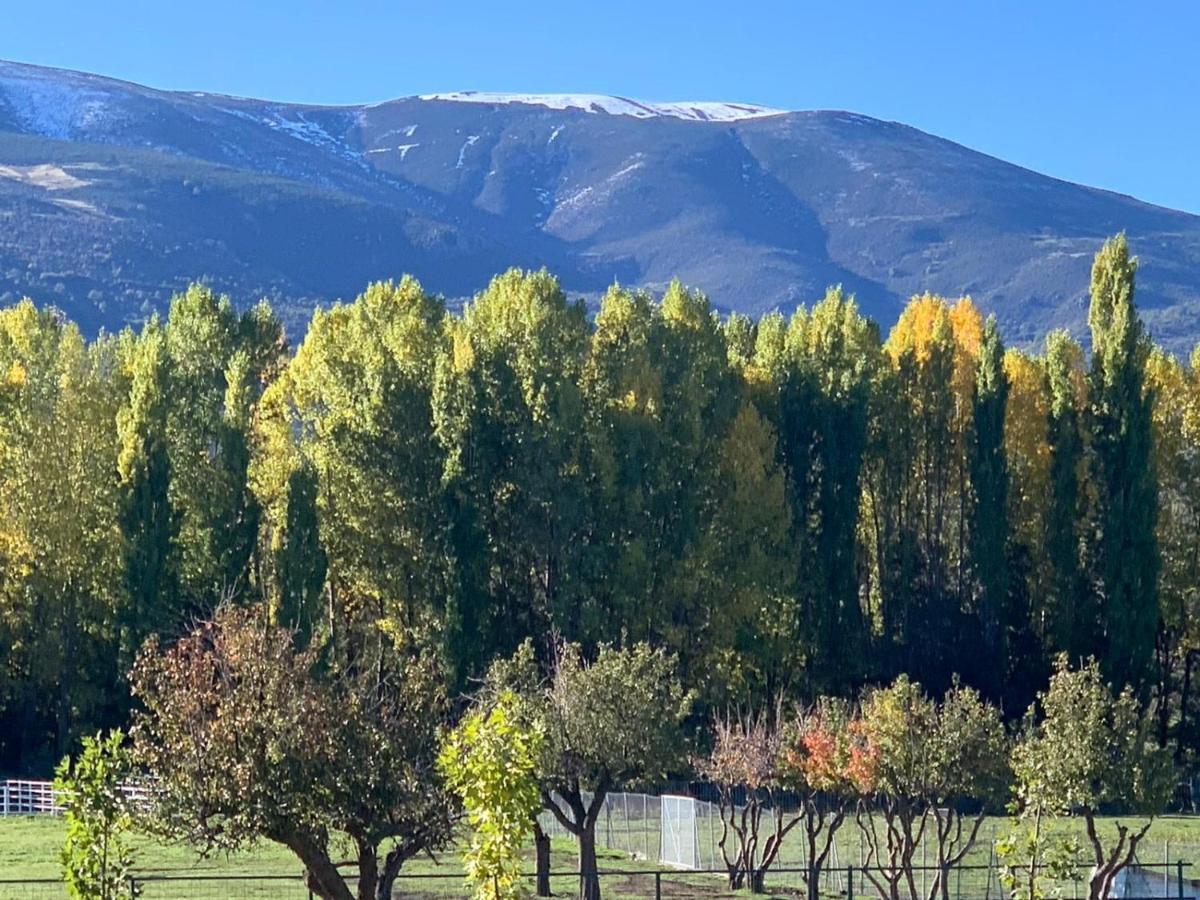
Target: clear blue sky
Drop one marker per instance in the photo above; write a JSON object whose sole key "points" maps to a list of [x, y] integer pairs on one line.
{"points": [[1098, 92]]}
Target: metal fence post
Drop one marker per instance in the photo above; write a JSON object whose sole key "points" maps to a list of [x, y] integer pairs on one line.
{"points": [[849, 882], [1179, 874], [658, 886]]}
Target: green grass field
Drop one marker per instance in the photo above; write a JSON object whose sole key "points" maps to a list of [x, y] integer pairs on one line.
{"points": [[29, 849]]}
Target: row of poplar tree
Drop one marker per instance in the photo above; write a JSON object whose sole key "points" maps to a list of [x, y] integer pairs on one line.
{"points": [[793, 506]]}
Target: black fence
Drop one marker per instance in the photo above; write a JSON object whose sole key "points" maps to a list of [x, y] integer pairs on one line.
{"points": [[1146, 882]]}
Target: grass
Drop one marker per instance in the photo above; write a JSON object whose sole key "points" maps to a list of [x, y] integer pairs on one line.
{"points": [[29, 850], [29, 847]]}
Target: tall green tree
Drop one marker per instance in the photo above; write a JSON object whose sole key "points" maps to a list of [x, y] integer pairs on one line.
{"points": [[218, 363], [830, 357], [509, 417], [148, 518], [989, 527], [1074, 614], [1127, 559], [62, 585], [745, 626], [920, 494], [349, 471]]}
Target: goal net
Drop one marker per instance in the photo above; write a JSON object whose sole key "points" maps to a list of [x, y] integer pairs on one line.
{"points": [[679, 838]]}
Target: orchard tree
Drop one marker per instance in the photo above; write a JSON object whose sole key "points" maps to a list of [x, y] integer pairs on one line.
{"points": [[745, 758], [608, 722], [925, 762], [248, 738], [820, 760], [1085, 749], [756, 757]]}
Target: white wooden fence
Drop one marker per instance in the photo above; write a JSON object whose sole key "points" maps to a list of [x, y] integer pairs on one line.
{"points": [[27, 798]]}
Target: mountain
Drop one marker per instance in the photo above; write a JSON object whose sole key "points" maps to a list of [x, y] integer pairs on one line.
{"points": [[114, 195]]}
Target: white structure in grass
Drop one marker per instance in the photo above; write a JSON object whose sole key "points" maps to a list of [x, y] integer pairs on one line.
{"points": [[24, 798], [27, 798], [680, 838], [1143, 884]]}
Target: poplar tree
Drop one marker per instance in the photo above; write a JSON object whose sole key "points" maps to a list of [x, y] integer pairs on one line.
{"points": [[989, 527], [148, 519], [1127, 492], [1073, 613], [830, 356]]}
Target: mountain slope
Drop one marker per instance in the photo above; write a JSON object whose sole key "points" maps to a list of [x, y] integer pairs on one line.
{"points": [[113, 195]]}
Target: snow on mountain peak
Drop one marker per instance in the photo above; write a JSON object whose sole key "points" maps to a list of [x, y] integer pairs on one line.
{"points": [[701, 111]]}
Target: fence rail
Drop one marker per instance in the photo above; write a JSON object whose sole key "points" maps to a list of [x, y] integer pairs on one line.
{"points": [[1167, 883], [20, 797]]}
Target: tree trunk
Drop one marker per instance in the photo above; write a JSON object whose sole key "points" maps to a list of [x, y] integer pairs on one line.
{"points": [[321, 875], [758, 881], [368, 870], [589, 875], [391, 868], [541, 846]]}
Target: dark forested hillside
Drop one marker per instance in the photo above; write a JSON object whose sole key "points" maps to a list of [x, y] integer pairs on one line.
{"points": [[113, 196]]}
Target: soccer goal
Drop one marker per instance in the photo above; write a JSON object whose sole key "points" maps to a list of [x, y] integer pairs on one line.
{"points": [[678, 846]]}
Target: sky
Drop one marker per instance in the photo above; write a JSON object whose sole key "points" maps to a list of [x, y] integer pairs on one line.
{"points": [[1101, 93]]}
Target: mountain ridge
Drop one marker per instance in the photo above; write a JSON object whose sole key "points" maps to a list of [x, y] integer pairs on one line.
{"points": [[106, 183]]}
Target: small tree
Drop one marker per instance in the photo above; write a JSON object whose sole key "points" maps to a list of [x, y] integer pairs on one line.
{"points": [[745, 757], [927, 761], [609, 722], [97, 861], [249, 738], [820, 761], [760, 754], [490, 761], [969, 769], [518, 682], [1034, 847], [1090, 750]]}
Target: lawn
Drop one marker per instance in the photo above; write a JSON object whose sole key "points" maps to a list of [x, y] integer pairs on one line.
{"points": [[29, 850], [29, 847]]}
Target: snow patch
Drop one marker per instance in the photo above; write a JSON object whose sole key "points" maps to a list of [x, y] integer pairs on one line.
{"points": [[404, 148], [700, 111], [80, 205], [462, 151], [55, 109], [303, 130]]}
